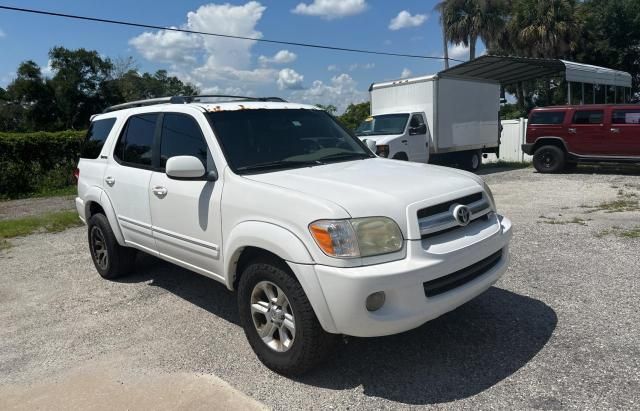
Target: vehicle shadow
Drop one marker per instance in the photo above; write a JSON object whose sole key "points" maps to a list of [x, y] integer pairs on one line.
{"points": [[455, 356], [619, 169], [493, 169]]}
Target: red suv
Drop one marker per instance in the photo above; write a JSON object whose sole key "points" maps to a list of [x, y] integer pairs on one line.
{"points": [[562, 136]]}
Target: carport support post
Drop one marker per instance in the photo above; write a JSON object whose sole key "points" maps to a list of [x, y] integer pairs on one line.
{"points": [[568, 92], [582, 99]]}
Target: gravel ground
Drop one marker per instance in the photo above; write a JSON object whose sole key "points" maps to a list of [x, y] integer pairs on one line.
{"points": [[35, 206], [561, 329]]}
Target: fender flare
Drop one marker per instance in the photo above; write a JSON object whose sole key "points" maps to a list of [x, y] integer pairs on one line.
{"points": [[267, 236], [539, 142], [286, 245], [97, 195]]}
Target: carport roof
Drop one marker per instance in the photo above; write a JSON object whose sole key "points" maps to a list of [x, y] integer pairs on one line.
{"points": [[509, 70]]}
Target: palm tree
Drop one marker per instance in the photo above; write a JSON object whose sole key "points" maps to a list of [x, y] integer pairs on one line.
{"points": [[464, 21], [440, 7], [543, 28]]}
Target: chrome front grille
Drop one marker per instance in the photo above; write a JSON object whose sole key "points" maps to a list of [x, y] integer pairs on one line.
{"points": [[435, 219]]}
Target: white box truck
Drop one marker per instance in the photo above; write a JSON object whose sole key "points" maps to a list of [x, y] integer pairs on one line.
{"points": [[436, 119]]}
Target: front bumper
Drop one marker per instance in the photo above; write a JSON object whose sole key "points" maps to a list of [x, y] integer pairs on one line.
{"points": [[406, 307]]}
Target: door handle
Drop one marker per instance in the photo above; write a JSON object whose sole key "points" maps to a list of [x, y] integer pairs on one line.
{"points": [[110, 180], [615, 130], [572, 130], [404, 141], [159, 191]]}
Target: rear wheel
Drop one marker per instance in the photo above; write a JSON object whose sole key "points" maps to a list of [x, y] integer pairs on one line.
{"points": [[471, 160], [278, 320], [110, 258], [549, 159]]}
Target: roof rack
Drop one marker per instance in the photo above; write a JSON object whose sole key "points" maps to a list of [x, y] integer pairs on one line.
{"points": [[187, 100]]}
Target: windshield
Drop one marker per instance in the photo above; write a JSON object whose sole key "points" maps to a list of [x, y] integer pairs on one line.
{"points": [[385, 124], [259, 140]]}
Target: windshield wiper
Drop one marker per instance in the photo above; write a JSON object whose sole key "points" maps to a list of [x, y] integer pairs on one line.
{"points": [[274, 165], [341, 156]]}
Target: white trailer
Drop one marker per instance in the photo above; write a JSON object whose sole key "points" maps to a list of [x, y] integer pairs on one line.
{"points": [[437, 119]]}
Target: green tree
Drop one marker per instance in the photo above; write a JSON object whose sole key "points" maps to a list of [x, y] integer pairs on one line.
{"points": [[355, 114], [329, 108], [465, 21], [611, 35], [79, 84]]}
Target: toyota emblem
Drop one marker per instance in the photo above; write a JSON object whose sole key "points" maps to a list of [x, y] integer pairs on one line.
{"points": [[462, 214]]}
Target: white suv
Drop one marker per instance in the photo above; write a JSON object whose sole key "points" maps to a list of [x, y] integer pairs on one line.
{"points": [[317, 235]]}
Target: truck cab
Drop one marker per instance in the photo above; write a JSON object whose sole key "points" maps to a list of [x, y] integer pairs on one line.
{"points": [[400, 136]]}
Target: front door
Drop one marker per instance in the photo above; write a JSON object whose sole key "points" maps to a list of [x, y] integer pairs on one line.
{"points": [[625, 131], [186, 213], [417, 139], [586, 133], [126, 180]]}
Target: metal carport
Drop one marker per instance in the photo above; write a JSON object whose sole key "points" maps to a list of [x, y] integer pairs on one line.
{"points": [[605, 83]]}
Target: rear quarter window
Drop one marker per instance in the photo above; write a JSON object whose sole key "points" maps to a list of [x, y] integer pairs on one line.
{"points": [[96, 136], [547, 117], [626, 116]]}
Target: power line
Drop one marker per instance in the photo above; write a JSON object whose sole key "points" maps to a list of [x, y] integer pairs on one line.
{"points": [[228, 36]]}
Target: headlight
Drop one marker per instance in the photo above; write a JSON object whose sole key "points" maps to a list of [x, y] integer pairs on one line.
{"points": [[358, 237], [487, 190]]}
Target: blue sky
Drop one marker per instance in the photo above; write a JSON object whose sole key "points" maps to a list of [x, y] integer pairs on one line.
{"points": [[298, 74]]}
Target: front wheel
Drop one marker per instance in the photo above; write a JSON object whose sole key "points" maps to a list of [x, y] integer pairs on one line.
{"points": [[549, 159], [278, 320]]}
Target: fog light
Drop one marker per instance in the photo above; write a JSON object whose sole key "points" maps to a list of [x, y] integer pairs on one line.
{"points": [[375, 301]]}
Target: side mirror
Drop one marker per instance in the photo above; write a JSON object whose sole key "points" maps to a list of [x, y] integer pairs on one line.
{"points": [[371, 145], [185, 167], [421, 129]]}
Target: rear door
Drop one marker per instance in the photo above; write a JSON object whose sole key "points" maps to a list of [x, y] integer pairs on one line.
{"points": [[586, 133], [625, 131], [127, 177], [186, 213]]}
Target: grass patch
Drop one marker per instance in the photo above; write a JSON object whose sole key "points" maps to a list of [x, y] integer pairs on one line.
{"points": [[619, 232], [506, 164], [47, 223], [617, 206], [574, 220]]}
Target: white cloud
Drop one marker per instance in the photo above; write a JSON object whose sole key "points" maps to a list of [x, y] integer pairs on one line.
{"points": [[459, 51], [48, 70], [367, 66], [203, 59], [406, 73], [2, 34], [404, 20], [331, 9], [341, 91], [168, 46], [332, 67], [289, 79], [281, 57]]}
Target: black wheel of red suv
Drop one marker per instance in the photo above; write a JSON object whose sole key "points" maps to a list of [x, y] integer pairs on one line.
{"points": [[278, 319], [110, 258], [549, 159]]}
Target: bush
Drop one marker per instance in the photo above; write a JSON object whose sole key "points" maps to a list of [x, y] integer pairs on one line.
{"points": [[37, 162]]}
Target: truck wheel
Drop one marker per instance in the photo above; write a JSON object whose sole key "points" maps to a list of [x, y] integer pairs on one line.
{"points": [[278, 320], [472, 160], [110, 258], [549, 159], [400, 156]]}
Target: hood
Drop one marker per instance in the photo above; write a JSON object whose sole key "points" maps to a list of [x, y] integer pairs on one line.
{"points": [[376, 187]]}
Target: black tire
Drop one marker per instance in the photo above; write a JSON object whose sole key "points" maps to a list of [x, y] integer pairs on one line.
{"points": [[401, 156], [311, 343], [110, 258], [549, 159], [471, 160]]}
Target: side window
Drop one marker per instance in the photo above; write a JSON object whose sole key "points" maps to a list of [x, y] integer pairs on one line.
{"points": [[96, 136], [182, 136], [547, 117], [626, 116], [416, 121], [588, 117], [135, 146]]}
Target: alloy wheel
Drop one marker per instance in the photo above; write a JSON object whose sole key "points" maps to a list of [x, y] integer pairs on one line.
{"points": [[273, 316], [99, 248]]}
